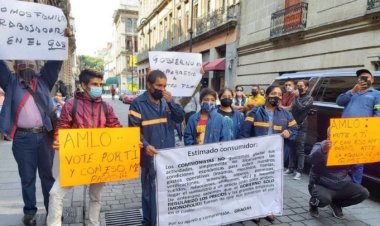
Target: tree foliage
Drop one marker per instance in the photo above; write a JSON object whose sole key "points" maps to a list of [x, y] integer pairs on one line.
{"points": [[91, 62]]}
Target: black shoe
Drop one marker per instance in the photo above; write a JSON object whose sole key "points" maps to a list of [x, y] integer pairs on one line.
{"points": [[7, 138], [337, 211], [270, 218], [29, 220], [314, 211], [256, 220]]}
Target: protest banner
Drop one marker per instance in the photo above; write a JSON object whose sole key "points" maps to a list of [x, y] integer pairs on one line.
{"points": [[354, 141], [31, 31], [220, 183], [90, 156], [183, 70]]}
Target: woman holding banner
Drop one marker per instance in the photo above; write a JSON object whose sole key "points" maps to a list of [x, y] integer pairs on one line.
{"points": [[270, 119], [206, 126]]}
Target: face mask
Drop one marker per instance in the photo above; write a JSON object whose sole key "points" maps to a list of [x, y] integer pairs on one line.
{"points": [[254, 93], [274, 101], [300, 89], [95, 92], [289, 89], [27, 74], [239, 93], [208, 106], [157, 94], [226, 102]]}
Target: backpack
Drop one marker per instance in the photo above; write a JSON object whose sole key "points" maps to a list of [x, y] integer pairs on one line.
{"points": [[75, 106]]}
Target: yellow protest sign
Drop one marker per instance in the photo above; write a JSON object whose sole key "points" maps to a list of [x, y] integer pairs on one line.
{"points": [[354, 141], [90, 156]]}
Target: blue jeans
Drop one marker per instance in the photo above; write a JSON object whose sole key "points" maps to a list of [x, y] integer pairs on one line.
{"points": [[357, 173], [148, 183], [33, 151]]}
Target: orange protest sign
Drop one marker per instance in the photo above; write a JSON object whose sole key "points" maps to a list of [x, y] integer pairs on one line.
{"points": [[354, 141], [90, 156]]}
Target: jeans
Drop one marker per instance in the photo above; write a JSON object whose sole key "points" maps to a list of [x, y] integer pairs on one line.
{"points": [[58, 193], [33, 151], [297, 152], [148, 177], [351, 194], [357, 173]]}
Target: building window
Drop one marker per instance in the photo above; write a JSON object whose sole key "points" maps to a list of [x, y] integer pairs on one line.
{"points": [[129, 25]]}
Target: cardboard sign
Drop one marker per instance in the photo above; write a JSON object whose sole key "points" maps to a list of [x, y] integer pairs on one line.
{"points": [[90, 156], [31, 31], [354, 141], [183, 70], [220, 183]]}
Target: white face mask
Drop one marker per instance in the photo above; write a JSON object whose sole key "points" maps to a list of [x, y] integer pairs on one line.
{"points": [[239, 93], [289, 89]]}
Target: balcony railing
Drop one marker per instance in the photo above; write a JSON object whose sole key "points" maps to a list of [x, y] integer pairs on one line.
{"points": [[216, 18], [211, 21], [373, 5], [289, 20]]}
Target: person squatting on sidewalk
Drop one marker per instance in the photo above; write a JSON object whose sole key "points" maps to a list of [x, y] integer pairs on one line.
{"points": [[85, 110], [331, 185], [156, 114], [361, 101]]}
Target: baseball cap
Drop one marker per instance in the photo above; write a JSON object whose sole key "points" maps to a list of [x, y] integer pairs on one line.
{"points": [[361, 71]]}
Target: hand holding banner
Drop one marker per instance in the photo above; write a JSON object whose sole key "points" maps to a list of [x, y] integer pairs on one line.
{"points": [[183, 70], [98, 155], [31, 31]]}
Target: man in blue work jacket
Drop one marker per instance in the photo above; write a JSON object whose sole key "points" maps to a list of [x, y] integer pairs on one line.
{"points": [[361, 101], [156, 114]]}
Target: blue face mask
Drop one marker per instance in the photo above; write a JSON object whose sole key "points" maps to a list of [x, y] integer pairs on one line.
{"points": [[208, 106], [95, 92]]}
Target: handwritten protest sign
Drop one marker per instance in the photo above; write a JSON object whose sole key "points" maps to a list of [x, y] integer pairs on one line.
{"points": [[181, 69], [354, 141], [220, 183], [31, 31], [90, 156]]}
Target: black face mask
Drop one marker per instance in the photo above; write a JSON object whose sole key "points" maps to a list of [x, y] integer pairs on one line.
{"points": [[300, 89], [274, 101], [254, 93], [157, 94], [27, 75], [226, 102]]}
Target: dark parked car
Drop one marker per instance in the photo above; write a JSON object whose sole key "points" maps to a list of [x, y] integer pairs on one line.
{"points": [[325, 87], [128, 98]]}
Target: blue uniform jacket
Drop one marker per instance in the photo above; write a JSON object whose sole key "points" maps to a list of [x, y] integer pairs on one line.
{"points": [[365, 104], [156, 122], [256, 123], [215, 129], [237, 121], [15, 95]]}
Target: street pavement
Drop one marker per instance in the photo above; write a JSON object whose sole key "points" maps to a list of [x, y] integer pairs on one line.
{"points": [[126, 195]]}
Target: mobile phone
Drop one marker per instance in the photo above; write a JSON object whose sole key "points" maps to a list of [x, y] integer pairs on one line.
{"points": [[364, 79]]}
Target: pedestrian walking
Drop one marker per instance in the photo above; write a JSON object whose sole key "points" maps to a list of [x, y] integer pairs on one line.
{"points": [[361, 101], [300, 110], [331, 185], [29, 126], [270, 119], [113, 92], [85, 110], [156, 114], [207, 125]]}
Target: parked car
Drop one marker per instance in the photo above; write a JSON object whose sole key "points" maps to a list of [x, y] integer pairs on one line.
{"points": [[140, 91], [122, 94], [325, 87], [128, 97]]}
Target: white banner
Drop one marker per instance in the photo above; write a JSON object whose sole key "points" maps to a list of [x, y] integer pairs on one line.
{"points": [[31, 31], [183, 70], [220, 183]]}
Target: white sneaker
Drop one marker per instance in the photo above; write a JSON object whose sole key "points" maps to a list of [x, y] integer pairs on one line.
{"points": [[288, 172], [297, 176]]}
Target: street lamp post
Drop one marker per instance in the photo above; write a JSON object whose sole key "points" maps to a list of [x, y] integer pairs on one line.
{"points": [[191, 27]]}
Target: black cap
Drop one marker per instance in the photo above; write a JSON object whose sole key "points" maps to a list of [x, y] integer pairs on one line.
{"points": [[361, 71]]}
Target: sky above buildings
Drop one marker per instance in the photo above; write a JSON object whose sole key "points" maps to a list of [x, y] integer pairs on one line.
{"points": [[94, 24]]}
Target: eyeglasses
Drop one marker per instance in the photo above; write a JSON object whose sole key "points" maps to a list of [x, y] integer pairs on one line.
{"points": [[25, 66], [238, 90]]}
